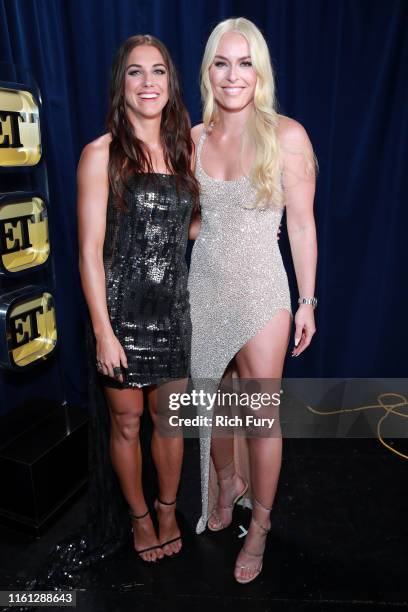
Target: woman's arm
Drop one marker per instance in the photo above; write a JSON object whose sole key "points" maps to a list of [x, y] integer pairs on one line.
{"points": [[195, 226], [299, 181], [92, 192], [195, 223]]}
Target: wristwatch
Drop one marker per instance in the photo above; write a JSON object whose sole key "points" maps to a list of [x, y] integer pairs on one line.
{"points": [[312, 301]]}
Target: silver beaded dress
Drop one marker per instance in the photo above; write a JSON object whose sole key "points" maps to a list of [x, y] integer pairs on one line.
{"points": [[237, 282]]}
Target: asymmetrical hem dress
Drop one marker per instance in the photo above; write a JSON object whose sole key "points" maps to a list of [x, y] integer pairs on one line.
{"points": [[237, 283]]}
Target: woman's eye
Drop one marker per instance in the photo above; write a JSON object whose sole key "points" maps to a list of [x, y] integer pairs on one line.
{"points": [[247, 64], [136, 72], [219, 64]]}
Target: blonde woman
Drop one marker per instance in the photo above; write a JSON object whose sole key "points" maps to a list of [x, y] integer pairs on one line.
{"points": [[251, 162]]}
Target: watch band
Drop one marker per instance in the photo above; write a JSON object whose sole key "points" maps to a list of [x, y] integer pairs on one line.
{"points": [[312, 301]]}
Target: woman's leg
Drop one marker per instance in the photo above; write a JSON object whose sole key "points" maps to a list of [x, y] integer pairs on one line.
{"points": [[167, 451], [262, 359], [126, 408], [230, 483]]}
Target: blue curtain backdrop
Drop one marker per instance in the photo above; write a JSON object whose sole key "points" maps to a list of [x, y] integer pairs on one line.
{"points": [[340, 71]]}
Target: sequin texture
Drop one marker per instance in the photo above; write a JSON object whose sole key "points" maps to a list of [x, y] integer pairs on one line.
{"points": [[237, 283], [146, 279]]}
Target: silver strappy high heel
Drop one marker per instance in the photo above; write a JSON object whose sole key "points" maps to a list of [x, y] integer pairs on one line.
{"points": [[258, 570], [229, 506]]}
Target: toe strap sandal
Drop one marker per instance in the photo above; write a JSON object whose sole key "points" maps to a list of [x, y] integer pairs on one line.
{"points": [[172, 539], [134, 517], [257, 570]]}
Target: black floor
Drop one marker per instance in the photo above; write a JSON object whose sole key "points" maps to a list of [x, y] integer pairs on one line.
{"points": [[338, 543]]}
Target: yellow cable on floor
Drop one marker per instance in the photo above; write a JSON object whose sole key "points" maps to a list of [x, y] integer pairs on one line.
{"points": [[389, 408]]}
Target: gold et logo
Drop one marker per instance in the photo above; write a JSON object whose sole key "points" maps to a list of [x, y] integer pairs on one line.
{"points": [[20, 139], [24, 238], [28, 331]]}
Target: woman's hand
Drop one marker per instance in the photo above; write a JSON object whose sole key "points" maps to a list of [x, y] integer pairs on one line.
{"points": [[109, 355], [305, 328]]}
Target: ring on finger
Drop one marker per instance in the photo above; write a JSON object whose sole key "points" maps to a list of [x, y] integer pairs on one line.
{"points": [[117, 371]]}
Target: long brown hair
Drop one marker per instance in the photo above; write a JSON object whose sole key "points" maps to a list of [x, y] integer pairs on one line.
{"points": [[126, 152]]}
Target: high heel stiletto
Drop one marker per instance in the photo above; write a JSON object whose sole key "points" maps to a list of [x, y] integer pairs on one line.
{"points": [[257, 570], [162, 544], [228, 507], [134, 517]]}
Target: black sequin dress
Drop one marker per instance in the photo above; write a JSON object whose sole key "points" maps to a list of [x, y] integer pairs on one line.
{"points": [[146, 279]]}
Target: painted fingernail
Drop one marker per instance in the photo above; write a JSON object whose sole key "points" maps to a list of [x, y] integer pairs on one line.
{"points": [[297, 340]]}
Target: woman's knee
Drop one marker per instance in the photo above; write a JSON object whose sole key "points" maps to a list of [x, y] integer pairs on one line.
{"points": [[126, 424], [160, 400]]}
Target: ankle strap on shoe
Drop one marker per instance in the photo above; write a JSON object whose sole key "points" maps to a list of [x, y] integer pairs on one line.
{"points": [[135, 516], [166, 503], [264, 529], [264, 507]]}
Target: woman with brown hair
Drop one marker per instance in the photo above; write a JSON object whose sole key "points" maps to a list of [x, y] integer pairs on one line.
{"points": [[136, 193]]}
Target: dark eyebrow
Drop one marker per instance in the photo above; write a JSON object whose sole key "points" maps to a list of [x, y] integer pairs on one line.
{"points": [[240, 59], [139, 66]]}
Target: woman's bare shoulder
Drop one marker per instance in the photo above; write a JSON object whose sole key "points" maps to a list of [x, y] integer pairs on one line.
{"points": [[98, 147], [296, 148], [289, 129], [95, 156], [196, 132]]}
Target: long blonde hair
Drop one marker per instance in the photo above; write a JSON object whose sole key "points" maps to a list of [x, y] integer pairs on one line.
{"points": [[265, 172]]}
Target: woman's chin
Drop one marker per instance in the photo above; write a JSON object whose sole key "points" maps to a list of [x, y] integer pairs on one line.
{"points": [[233, 106]]}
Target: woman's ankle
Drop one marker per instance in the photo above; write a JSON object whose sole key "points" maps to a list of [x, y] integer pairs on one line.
{"points": [[227, 472], [165, 509]]}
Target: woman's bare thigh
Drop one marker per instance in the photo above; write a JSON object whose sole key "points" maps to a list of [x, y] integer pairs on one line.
{"points": [[264, 354], [124, 401]]}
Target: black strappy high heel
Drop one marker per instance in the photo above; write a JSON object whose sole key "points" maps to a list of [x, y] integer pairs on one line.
{"points": [[134, 517], [162, 544]]}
